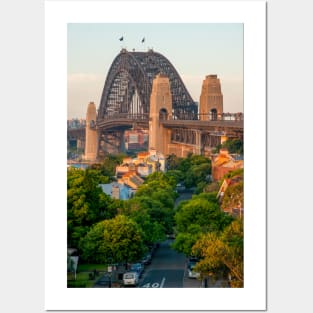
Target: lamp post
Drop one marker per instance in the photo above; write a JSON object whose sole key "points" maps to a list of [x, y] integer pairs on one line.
{"points": [[110, 272], [110, 275]]}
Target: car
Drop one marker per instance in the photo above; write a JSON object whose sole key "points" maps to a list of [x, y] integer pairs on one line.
{"points": [[192, 273], [130, 279], [180, 187], [171, 236], [190, 268], [146, 260], [137, 267]]}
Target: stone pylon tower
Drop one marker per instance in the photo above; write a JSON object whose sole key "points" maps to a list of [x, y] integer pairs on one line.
{"points": [[91, 133], [160, 108], [211, 98]]}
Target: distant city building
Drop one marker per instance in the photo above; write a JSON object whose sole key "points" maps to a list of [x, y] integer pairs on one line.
{"points": [[76, 123], [136, 139]]}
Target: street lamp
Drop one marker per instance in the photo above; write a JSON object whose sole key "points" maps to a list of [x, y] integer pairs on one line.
{"points": [[110, 275], [110, 272]]}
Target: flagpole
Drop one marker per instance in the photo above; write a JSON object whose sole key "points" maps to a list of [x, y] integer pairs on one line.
{"points": [[143, 40]]}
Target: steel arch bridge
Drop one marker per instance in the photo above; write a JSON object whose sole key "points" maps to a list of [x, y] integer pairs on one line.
{"points": [[128, 87]]}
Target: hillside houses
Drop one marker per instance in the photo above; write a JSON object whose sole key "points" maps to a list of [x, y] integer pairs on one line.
{"points": [[131, 173]]}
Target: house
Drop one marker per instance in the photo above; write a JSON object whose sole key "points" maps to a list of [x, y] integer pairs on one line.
{"points": [[233, 202], [132, 180], [224, 163], [144, 164], [117, 191]]}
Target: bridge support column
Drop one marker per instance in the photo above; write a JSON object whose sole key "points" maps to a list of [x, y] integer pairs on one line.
{"points": [[160, 108], [91, 133], [223, 139], [199, 150], [211, 99]]}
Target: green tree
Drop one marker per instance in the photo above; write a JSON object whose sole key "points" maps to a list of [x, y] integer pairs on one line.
{"points": [[184, 241], [196, 168], [86, 203], [157, 197], [201, 212], [195, 217], [152, 230], [118, 240], [108, 165], [173, 162], [232, 145]]}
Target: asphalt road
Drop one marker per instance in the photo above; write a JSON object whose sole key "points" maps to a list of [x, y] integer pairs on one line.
{"points": [[167, 270]]}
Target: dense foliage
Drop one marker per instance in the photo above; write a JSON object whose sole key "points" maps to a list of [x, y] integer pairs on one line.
{"points": [[222, 252], [89, 210], [198, 216], [109, 230], [192, 171], [116, 240], [156, 197], [232, 145], [108, 165], [86, 203]]}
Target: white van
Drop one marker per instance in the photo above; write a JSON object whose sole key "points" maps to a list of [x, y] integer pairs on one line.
{"points": [[130, 279]]}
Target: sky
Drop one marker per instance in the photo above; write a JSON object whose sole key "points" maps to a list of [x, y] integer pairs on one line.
{"points": [[194, 49]]}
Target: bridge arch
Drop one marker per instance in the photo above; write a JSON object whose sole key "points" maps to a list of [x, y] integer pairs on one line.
{"points": [[128, 86]]}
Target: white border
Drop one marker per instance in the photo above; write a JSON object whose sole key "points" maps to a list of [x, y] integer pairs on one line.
{"points": [[253, 15]]}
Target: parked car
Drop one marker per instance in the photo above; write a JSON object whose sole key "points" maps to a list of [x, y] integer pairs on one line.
{"points": [[146, 260], [190, 268], [171, 236], [130, 279], [137, 267], [180, 187]]}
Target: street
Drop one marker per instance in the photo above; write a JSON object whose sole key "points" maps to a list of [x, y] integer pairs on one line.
{"points": [[167, 270]]}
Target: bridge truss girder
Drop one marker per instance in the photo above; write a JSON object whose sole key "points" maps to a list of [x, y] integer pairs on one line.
{"points": [[202, 138], [111, 141], [128, 86]]}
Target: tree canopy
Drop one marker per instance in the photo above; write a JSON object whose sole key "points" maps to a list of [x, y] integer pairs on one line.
{"points": [[197, 216], [86, 203], [222, 251], [157, 197], [192, 171], [232, 145], [116, 240]]}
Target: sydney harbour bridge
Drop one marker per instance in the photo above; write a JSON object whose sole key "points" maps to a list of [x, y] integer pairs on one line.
{"points": [[125, 104]]}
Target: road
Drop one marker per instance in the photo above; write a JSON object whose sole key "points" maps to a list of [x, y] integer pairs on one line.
{"points": [[183, 196], [167, 270]]}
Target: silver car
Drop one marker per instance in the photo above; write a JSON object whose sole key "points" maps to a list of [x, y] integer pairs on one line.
{"points": [[130, 279]]}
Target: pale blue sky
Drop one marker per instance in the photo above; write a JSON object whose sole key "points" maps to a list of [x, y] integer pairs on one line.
{"points": [[195, 50]]}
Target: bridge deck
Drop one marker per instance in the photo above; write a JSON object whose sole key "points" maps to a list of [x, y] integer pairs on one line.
{"points": [[202, 125]]}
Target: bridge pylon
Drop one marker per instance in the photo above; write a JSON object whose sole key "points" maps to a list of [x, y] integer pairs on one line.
{"points": [[160, 109], [211, 98], [91, 133]]}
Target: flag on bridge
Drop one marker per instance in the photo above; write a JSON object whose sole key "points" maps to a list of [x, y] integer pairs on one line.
{"points": [[143, 40], [122, 38]]}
